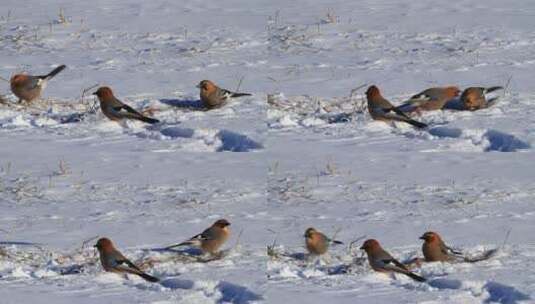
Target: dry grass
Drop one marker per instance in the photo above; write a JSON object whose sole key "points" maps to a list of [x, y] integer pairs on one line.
{"points": [[288, 188], [63, 168]]}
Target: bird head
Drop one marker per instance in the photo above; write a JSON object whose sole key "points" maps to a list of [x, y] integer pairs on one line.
{"points": [[222, 223], [430, 236], [18, 79], [206, 86], [104, 244], [309, 232], [370, 245], [104, 93], [372, 92]]}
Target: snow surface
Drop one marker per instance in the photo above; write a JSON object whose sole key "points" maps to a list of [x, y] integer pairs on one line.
{"points": [[300, 152]]}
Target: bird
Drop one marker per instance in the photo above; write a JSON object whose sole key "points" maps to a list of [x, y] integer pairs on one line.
{"points": [[211, 239], [381, 109], [317, 243], [114, 261], [382, 261], [28, 87], [474, 98], [435, 250], [116, 110], [430, 99], [213, 96]]}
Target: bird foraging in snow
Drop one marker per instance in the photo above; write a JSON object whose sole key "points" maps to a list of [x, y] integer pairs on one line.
{"points": [[430, 99], [381, 109], [213, 96], [435, 250], [28, 88], [318, 243], [382, 261], [114, 261], [475, 98], [211, 239], [116, 110]]}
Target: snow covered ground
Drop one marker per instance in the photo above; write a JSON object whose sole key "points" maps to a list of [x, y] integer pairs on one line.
{"points": [[300, 152]]}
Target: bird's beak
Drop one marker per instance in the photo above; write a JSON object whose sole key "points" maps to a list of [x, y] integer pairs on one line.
{"points": [[94, 93], [361, 247], [198, 86], [422, 238]]}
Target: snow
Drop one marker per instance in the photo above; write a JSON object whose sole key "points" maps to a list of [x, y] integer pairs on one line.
{"points": [[300, 152]]}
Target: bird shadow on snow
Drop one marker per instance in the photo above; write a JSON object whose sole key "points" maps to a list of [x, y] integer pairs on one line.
{"points": [[186, 104], [180, 250], [498, 293], [504, 294], [230, 141], [20, 243], [231, 293], [497, 141]]}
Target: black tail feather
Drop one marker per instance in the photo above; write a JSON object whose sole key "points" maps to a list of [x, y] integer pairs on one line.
{"points": [[415, 276], [492, 89], [177, 245], [239, 94], [417, 124], [484, 256], [399, 112], [149, 277], [148, 119], [54, 72]]}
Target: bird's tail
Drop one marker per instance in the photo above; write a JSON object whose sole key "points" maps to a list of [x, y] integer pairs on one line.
{"points": [[417, 124], [485, 256], [148, 277], [148, 119], [414, 276], [337, 242], [492, 89], [186, 243], [239, 94], [54, 72]]}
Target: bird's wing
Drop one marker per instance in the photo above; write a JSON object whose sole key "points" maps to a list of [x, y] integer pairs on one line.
{"points": [[446, 249], [399, 264], [399, 112], [195, 240], [126, 108], [491, 89], [32, 83], [417, 100], [224, 94], [128, 263], [208, 234]]}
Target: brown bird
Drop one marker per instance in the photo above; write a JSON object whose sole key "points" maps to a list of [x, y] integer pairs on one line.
{"points": [[435, 250], [114, 261], [213, 96], [382, 261], [474, 98], [211, 239], [318, 243], [430, 99], [116, 110], [381, 109], [28, 87]]}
